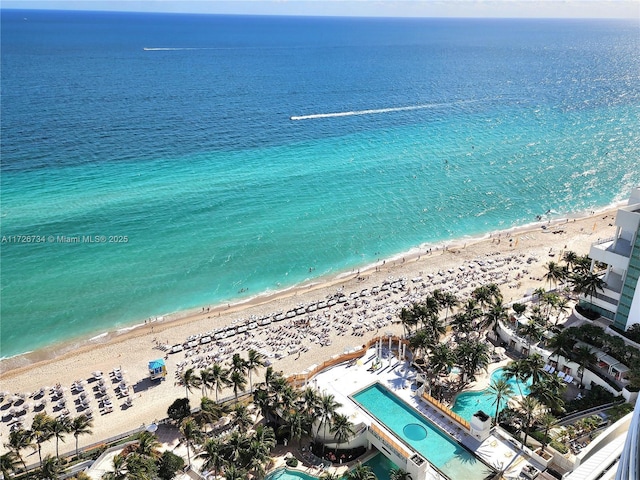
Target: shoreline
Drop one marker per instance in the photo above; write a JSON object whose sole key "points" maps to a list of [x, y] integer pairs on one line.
{"points": [[179, 318], [513, 260]]}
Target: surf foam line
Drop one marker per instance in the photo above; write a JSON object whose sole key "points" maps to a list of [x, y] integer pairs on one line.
{"points": [[365, 112]]}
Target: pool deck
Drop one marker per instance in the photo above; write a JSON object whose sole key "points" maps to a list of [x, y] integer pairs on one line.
{"points": [[344, 380]]}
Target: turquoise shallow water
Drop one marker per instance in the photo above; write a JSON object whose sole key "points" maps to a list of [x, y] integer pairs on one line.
{"points": [[380, 465], [439, 449], [468, 403], [192, 156]]}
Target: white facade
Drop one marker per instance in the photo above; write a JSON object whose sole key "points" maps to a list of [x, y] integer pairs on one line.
{"points": [[621, 274]]}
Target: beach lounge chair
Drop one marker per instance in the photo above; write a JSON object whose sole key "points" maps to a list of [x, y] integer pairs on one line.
{"points": [[561, 374]]}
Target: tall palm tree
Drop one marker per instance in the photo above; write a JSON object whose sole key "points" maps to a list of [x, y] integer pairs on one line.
{"points": [[235, 447], [548, 421], [191, 433], [471, 357], [361, 472], [408, 320], [8, 464], [19, 439], [555, 273], [327, 408], [80, 425], [516, 370], [242, 417], [533, 368], [529, 409], [238, 381], [41, 431], [51, 468], [532, 331], [213, 455], [491, 319], [501, 389], [342, 428], [561, 344], [189, 378], [550, 392], [59, 428], [210, 412], [205, 381], [298, 424], [218, 378], [441, 360], [254, 361], [583, 357], [238, 364], [587, 283], [446, 300], [570, 259]]}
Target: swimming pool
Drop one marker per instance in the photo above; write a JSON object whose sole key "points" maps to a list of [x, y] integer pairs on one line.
{"points": [[380, 465], [468, 403], [451, 458], [286, 474]]}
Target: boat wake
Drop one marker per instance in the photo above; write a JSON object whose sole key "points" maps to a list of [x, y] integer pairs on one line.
{"points": [[368, 112]]}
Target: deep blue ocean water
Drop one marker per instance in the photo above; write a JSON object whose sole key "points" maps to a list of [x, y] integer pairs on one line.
{"points": [[176, 132]]}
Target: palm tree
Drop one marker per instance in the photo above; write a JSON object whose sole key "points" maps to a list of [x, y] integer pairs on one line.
{"points": [[550, 392], [8, 464], [119, 472], [41, 431], [555, 273], [212, 453], [191, 433], [59, 427], [238, 364], [242, 417], [462, 323], [471, 357], [516, 370], [148, 445], [51, 468], [561, 344], [19, 440], [408, 320], [254, 361], [446, 300], [210, 412], [205, 381], [501, 389], [492, 317], [587, 283], [570, 258], [190, 380], [218, 378], [234, 447], [583, 357], [548, 421], [239, 382], [532, 331], [231, 472], [298, 424], [327, 408], [399, 474], [342, 428], [533, 367], [361, 472], [529, 408], [441, 360], [80, 425]]}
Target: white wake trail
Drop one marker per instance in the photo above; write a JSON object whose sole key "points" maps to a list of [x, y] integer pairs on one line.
{"points": [[362, 112]]}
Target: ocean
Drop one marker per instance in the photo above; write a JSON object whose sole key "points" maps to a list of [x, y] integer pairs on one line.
{"points": [[153, 163]]}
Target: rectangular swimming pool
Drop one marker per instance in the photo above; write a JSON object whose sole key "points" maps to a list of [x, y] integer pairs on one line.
{"points": [[451, 458]]}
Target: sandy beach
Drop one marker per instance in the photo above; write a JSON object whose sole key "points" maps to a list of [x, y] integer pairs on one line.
{"points": [[513, 259]]}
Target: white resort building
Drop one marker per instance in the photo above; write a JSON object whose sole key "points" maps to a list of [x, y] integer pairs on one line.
{"points": [[620, 299]]}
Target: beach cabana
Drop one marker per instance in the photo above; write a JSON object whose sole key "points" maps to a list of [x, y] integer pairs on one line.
{"points": [[157, 369]]}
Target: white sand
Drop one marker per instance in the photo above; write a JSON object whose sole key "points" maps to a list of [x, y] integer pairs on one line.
{"points": [[515, 260]]}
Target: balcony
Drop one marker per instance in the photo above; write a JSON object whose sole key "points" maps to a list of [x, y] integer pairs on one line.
{"points": [[612, 251]]}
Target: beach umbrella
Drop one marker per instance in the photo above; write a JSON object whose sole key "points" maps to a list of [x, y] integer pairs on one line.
{"points": [[152, 428]]}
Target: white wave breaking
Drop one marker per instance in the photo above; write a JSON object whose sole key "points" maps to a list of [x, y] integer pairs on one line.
{"points": [[367, 112]]}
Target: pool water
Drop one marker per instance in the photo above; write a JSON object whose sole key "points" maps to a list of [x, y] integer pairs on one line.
{"points": [[285, 474], [469, 403], [381, 466], [455, 461]]}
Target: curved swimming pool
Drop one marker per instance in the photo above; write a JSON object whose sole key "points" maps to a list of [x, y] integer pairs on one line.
{"points": [[468, 403]]}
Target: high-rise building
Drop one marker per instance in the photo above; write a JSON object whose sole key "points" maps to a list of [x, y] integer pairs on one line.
{"points": [[620, 299]]}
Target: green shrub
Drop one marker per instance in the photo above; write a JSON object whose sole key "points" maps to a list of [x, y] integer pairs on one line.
{"points": [[561, 447], [292, 462]]}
